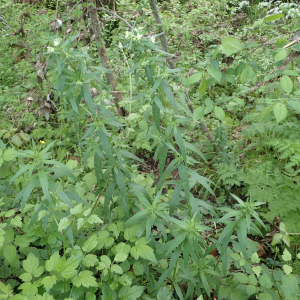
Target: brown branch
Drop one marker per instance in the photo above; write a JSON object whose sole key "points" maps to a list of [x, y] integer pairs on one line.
{"points": [[290, 58], [95, 23], [163, 34]]}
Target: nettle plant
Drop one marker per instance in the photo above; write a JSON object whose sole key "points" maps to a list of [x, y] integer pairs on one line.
{"points": [[89, 231]]}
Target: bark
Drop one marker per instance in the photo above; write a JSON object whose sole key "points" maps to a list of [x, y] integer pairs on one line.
{"points": [[163, 35], [104, 59]]}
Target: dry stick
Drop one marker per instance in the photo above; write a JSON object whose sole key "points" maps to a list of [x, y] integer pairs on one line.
{"points": [[163, 34], [290, 57], [104, 60]]}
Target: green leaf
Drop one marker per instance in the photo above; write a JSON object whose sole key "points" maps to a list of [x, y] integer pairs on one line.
{"points": [[90, 260], [68, 268], [52, 262], [44, 183], [88, 98], [171, 245], [94, 219], [273, 17], [198, 113], [121, 256], [193, 78], [25, 277], [48, 282], [164, 293], [280, 112], [219, 113], [265, 281], [165, 87], [142, 250], [230, 46], [116, 269], [63, 196], [108, 293], [63, 224], [264, 296], [286, 84], [203, 86], [265, 112], [138, 268], [281, 55], [295, 105], [9, 253], [287, 269], [31, 263], [130, 293], [180, 142], [286, 255], [241, 277], [290, 287], [202, 180], [215, 73], [90, 244], [86, 279]]}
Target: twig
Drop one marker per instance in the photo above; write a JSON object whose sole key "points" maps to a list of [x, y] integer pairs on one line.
{"points": [[73, 8], [115, 15], [291, 56], [1, 18], [291, 43]]}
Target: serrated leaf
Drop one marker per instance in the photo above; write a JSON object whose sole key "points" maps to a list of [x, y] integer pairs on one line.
{"points": [[241, 277], [290, 287], [31, 263], [142, 250], [121, 256], [48, 282], [276, 239], [63, 224], [68, 268], [90, 260], [108, 293], [131, 293], [286, 255], [94, 219], [256, 270], [138, 268], [265, 281], [52, 262], [90, 243], [116, 269], [16, 140], [280, 112], [85, 278], [164, 293], [287, 269]]}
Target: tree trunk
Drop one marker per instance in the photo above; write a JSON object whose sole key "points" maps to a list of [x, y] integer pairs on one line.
{"points": [[163, 35], [104, 59]]}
